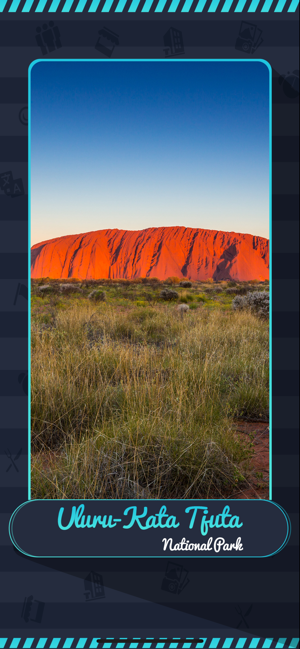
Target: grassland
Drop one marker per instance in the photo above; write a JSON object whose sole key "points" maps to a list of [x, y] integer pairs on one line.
{"points": [[132, 399]]}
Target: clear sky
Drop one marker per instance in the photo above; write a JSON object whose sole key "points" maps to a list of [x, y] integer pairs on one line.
{"points": [[132, 145]]}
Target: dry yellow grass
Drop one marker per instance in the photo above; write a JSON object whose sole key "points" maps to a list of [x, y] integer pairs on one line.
{"points": [[139, 402]]}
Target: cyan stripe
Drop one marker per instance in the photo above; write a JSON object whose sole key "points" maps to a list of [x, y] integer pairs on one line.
{"points": [[41, 643], [80, 6], [3, 642], [14, 6], [2, 4], [213, 6], [226, 6], [133, 7], [187, 5], [55, 642], [279, 7], [173, 6], [227, 644], [200, 6], [241, 643], [253, 6], [253, 644], [15, 643], [54, 6], [41, 6], [120, 6], [293, 7], [294, 643], [67, 6], [147, 6], [280, 643], [160, 6], [240, 6], [107, 5], [94, 6], [267, 6], [81, 643], [28, 642], [94, 643], [267, 643], [68, 643], [214, 643]]}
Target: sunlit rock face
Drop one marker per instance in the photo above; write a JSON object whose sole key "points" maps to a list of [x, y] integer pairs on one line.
{"points": [[189, 253]]}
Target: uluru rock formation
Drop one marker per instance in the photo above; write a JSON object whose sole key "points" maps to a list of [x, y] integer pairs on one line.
{"points": [[155, 252]]}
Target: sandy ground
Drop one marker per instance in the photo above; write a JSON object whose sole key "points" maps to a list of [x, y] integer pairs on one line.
{"points": [[258, 484]]}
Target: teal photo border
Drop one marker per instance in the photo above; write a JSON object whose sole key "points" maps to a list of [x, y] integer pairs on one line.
{"points": [[169, 62]]}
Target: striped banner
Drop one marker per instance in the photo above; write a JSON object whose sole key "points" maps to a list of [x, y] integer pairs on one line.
{"points": [[149, 643], [145, 6]]}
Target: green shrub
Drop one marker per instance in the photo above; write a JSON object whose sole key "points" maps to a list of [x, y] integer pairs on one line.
{"points": [[168, 294], [97, 296], [257, 303]]}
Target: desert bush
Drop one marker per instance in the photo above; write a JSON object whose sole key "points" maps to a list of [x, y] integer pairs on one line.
{"points": [[231, 284], [97, 296], [45, 288], [257, 303], [168, 294], [182, 308], [186, 284], [237, 290], [172, 280], [70, 288]]}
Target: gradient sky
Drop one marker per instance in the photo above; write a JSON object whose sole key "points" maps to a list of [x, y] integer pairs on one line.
{"points": [[132, 145]]}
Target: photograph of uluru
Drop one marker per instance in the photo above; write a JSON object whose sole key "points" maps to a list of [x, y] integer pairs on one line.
{"points": [[150, 184]]}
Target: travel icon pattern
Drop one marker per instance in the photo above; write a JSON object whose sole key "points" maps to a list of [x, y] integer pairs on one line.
{"points": [[10, 186], [13, 459], [93, 587], [249, 38], [290, 84], [173, 42], [243, 614], [33, 610], [48, 38], [106, 41], [22, 291], [175, 578]]}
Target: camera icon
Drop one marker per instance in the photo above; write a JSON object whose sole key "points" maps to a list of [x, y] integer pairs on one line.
{"points": [[175, 579], [249, 38]]}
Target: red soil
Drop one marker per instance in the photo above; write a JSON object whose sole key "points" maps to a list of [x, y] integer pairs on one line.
{"points": [[257, 485]]}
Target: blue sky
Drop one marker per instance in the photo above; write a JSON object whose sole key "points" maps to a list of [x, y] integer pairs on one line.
{"points": [[132, 145]]}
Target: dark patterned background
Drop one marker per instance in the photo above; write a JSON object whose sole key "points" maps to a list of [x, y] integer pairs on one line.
{"points": [[252, 596]]}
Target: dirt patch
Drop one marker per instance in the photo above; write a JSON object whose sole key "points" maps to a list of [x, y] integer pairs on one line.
{"points": [[258, 434]]}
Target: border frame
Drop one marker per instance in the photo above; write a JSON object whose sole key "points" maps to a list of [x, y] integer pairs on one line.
{"points": [[169, 61]]}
